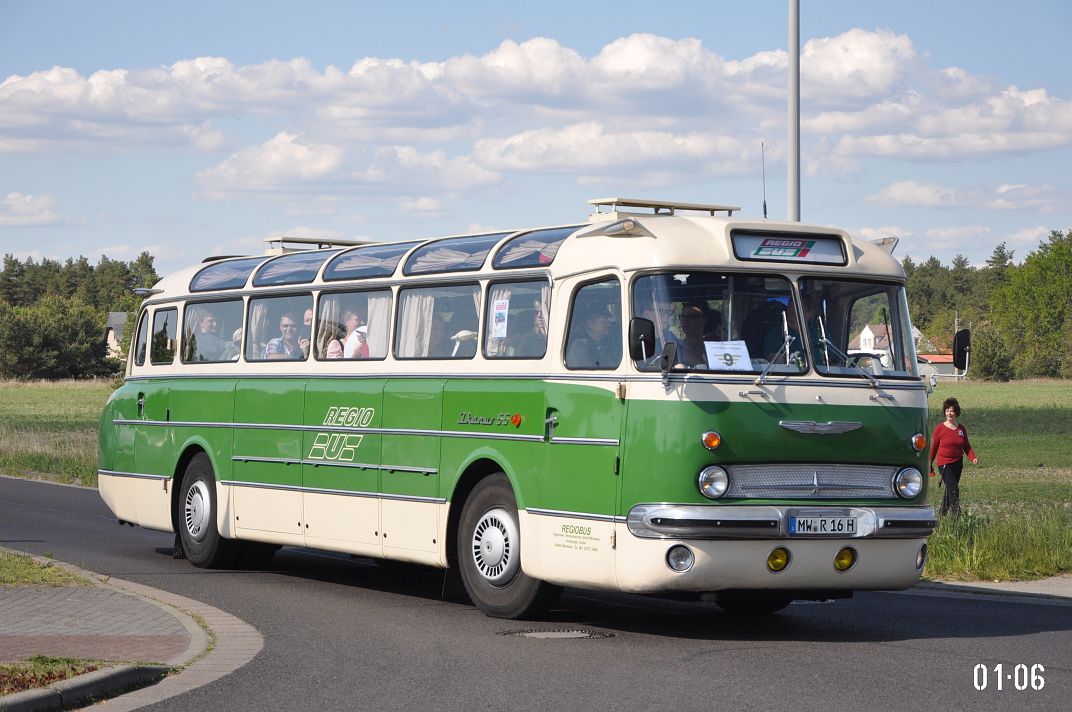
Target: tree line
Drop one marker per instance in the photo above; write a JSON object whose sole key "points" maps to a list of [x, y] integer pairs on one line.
{"points": [[1020, 315], [52, 314]]}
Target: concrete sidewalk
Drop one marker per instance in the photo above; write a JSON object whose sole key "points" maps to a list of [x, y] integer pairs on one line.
{"points": [[181, 644], [151, 636]]}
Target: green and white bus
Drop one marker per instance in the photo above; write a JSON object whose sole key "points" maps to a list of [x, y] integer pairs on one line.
{"points": [[657, 400]]}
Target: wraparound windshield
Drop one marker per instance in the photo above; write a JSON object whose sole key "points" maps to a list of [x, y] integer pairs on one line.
{"points": [[727, 322]]}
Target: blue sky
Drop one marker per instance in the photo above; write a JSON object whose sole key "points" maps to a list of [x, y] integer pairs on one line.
{"points": [[201, 128]]}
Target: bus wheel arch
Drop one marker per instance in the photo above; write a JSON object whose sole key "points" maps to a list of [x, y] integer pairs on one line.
{"points": [[487, 550], [194, 507]]}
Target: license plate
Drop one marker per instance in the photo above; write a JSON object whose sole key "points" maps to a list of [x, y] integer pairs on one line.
{"points": [[822, 526]]}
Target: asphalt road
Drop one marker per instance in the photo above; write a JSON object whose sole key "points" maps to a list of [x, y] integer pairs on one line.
{"points": [[345, 633]]}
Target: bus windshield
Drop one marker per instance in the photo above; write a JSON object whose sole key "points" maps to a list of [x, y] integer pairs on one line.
{"points": [[857, 325], [722, 322]]}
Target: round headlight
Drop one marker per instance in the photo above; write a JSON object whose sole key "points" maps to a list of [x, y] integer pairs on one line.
{"points": [[778, 559], [713, 482], [908, 483], [680, 558]]}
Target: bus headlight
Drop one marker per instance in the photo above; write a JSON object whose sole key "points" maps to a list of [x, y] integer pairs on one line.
{"points": [[713, 482], [908, 483]]}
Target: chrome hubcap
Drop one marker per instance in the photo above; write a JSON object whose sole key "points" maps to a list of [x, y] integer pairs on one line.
{"points": [[198, 510], [495, 547]]}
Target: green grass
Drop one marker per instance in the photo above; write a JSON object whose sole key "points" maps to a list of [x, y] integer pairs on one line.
{"points": [[21, 570], [49, 429], [1018, 500], [40, 671]]}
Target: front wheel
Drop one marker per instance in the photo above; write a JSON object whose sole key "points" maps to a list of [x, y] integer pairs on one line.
{"points": [[489, 555], [201, 540]]}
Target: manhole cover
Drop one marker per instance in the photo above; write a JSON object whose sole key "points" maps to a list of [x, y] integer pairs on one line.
{"points": [[560, 633]]}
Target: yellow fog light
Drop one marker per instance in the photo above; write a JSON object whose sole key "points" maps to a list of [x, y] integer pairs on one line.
{"points": [[845, 558], [919, 441], [778, 559], [711, 440]]}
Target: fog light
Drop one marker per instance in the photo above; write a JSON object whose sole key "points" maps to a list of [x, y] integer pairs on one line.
{"points": [[713, 482], [845, 558], [778, 559], [908, 483], [711, 440], [680, 558], [921, 557]]}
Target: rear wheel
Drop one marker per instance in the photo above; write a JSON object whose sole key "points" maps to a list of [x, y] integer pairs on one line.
{"points": [[489, 555], [201, 540]]}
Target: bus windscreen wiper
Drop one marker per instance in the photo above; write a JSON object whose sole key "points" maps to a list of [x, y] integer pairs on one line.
{"points": [[848, 361]]}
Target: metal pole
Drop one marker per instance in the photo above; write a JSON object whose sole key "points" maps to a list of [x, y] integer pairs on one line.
{"points": [[794, 111]]}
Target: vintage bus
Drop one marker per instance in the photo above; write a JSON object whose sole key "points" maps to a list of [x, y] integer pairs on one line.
{"points": [[658, 399]]}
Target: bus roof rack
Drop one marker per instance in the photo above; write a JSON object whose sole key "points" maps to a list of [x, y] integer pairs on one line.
{"points": [[662, 206], [279, 245]]}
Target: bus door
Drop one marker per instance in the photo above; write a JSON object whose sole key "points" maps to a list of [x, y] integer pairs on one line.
{"points": [[340, 464], [267, 473], [583, 430], [409, 467], [153, 451]]}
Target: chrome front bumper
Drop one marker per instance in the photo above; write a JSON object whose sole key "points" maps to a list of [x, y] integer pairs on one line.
{"points": [[684, 521]]}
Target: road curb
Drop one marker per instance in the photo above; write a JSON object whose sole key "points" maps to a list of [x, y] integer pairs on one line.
{"points": [[219, 644], [83, 689]]}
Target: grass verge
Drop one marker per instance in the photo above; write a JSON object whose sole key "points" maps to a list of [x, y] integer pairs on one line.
{"points": [[41, 671], [22, 570]]}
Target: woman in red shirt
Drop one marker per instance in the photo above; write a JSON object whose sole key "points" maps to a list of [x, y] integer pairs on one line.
{"points": [[948, 444]]}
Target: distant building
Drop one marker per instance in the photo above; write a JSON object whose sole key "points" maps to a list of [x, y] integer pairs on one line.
{"points": [[113, 333], [936, 365]]}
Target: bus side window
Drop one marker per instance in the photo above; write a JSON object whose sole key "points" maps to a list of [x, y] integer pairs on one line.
{"points": [[279, 328], [594, 340], [143, 339], [516, 320], [208, 330], [163, 345], [438, 322]]}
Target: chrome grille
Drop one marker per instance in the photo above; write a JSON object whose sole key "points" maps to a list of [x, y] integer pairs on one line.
{"points": [[819, 481]]}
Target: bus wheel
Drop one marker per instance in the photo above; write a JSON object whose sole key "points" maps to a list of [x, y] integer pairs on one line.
{"points": [[201, 541], [489, 555], [755, 607]]}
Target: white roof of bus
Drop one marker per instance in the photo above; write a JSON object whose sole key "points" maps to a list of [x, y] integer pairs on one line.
{"points": [[665, 240]]}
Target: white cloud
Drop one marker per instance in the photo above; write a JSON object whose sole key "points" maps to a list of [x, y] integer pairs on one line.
{"points": [[284, 160], [1044, 198], [1028, 237], [855, 64], [24, 210]]}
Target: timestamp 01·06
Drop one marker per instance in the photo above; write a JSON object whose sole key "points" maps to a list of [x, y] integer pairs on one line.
{"points": [[1019, 676]]}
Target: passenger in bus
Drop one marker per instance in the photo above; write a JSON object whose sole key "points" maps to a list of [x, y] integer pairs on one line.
{"points": [[439, 343], [288, 345], [307, 325], [594, 346], [355, 344], [691, 351], [533, 342], [330, 332], [662, 315], [233, 347], [207, 344]]}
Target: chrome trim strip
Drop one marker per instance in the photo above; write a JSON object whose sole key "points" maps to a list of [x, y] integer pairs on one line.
{"points": [[250, 458], [320, 490], [334, 429], [584, 441], [810, 427], [571, 515], [690, 521], [133, 475]]}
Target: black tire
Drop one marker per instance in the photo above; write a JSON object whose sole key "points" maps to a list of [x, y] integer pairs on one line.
{"points": [[489, 555], [753, 607], [196, 518]]}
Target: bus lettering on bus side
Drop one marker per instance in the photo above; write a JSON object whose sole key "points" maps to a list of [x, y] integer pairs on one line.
{"points": [[338, 447], [355, 417]]}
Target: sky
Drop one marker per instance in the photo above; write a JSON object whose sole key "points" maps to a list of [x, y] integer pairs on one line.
{"points": [[201, 128]]}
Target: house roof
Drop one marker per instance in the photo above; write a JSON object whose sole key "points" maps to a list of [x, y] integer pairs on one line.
{"points": [[117, 322], [938, 358]]}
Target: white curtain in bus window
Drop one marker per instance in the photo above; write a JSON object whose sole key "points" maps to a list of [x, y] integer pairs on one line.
{"points": [[438, 322], [516, 320], [163, 346], [595, 332], [280, 328], [212, 331]]}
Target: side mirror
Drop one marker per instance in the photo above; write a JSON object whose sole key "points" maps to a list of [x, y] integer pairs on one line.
{"points": [[961, 348], [668, 357], [641, 339]]}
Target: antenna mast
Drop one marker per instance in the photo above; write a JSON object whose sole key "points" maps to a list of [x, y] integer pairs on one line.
{"points": [[794, 111], [763, 163]]}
